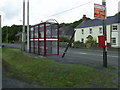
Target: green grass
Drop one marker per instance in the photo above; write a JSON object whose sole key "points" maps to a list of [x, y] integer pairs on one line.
{"points": [[49, 73], [0, 55], [111, 68]]}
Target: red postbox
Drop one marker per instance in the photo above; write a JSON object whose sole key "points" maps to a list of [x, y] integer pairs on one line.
{"points": [[102, 41]]}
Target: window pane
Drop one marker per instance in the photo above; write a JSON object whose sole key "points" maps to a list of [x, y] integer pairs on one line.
{"points": [[41, 31], [115, 27], [82, 40], [36, 31], [48, 30], [82, 31], [113, 40], [90, 31], [100, 30], [31, 32], [54, 31]]}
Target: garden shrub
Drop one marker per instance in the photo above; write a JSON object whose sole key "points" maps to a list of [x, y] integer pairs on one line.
{"points": [[64, 39]]}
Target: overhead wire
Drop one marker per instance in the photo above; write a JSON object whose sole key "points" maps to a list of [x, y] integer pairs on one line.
{"points": [[71, 8]]}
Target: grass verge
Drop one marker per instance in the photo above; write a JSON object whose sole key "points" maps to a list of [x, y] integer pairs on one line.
{"points": [[49, 73]]}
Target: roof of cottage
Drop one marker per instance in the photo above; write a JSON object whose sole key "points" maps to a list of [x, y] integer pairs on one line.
{"points": [[98, 22]]}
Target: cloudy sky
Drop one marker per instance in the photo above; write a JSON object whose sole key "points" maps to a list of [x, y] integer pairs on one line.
{"points": [[62, 10]]}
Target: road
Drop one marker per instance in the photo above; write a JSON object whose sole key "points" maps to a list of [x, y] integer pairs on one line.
{"points": [[87, 56], [83, 56]]}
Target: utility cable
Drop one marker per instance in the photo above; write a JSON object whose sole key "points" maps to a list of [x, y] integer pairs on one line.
{"points": [[71, 9]]}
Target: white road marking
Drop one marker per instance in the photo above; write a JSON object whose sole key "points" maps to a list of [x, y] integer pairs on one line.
{"points": [[112, 56], [97, 54], [83, 53]]}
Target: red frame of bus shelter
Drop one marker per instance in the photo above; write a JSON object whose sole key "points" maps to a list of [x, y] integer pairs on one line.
{"points": [[45, 39]]}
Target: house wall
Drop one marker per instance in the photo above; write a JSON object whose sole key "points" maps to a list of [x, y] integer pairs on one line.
{"points": [[119, 35], [95, 33], [115, 34]]}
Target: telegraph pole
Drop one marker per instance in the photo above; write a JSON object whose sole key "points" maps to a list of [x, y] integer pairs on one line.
{"points": [[28, 25], [0, 55], [23, 31], [0, 33], [104, 33]]}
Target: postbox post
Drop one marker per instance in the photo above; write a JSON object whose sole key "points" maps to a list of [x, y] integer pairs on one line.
{"points": [[104, 33]]}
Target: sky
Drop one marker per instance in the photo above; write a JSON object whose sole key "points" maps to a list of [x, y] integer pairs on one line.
{"points": [[66, 11]]}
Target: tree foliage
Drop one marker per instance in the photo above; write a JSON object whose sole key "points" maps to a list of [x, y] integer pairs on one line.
{"points": [[74, 24], [117, 14], [77, 42], [64, 39], [91, 40], [9, 32]]}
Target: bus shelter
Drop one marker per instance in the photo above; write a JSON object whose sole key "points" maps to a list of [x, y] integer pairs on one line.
{"points": [[44, 39]]}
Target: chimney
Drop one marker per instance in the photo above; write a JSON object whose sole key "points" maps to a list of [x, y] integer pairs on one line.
{"points": [[84, 17]]}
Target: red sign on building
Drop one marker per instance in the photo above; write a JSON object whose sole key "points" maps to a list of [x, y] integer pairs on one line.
{"points": [[99, 11]]}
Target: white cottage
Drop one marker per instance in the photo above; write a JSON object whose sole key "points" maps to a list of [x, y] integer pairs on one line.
{"points": [[94, 28]]}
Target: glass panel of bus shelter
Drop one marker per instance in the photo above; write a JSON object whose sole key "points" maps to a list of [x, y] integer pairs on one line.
{"points": [[31, 47], [41, 47], [36, 47], [48, 48], [31, 32], [42, 31], [54, 31], [48, 31], [36, 31], [54, 47]]}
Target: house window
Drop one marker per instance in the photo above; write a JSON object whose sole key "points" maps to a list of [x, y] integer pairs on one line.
{"points": [[113, 40], [114, 27], [90, 31], [82, 31], [82, 40], [100, 30]]}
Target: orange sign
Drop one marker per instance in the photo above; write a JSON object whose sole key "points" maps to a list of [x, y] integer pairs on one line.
{"points": [[99, 11]]}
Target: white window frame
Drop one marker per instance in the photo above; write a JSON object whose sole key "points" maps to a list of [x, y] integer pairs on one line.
{"points": [[100, 30], [114, 39], [82, 40], [82, 31], [114, 27], [90, 30]]}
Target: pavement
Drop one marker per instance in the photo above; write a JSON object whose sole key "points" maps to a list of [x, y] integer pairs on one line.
{"points": [[8, 82]]}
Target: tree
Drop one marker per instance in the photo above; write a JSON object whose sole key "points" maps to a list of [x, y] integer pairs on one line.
{"points": [[9, 33], [117, 14], [74, 24]]}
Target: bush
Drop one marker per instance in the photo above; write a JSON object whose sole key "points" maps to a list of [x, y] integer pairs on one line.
{"points": [[64, 39], [77, 42], [92, 41]]}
